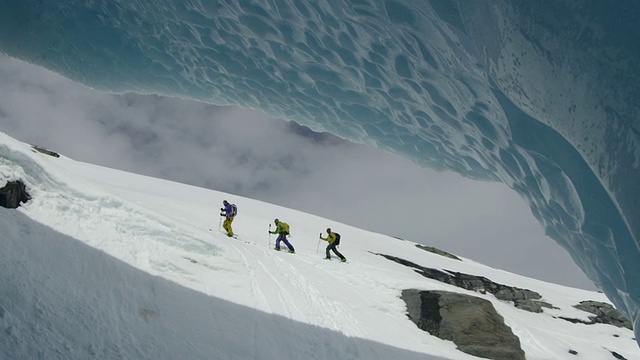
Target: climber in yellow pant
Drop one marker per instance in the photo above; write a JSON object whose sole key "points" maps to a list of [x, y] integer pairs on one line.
{"points": [[229, 211]]}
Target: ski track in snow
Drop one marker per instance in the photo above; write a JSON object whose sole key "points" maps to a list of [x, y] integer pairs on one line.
{"points": [[159, 244], [186, 258], [297, 297], [306, 303]]}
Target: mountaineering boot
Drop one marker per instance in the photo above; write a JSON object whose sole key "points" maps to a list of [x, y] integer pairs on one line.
{"points": [[328, 258], [292, 251], [276, 249], [343, 259]]}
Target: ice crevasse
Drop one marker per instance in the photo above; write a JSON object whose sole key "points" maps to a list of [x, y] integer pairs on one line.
{"points": [[539, 95]]}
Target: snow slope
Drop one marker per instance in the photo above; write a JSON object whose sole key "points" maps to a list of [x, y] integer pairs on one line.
{"points": [[539, 96], [103, 264]]}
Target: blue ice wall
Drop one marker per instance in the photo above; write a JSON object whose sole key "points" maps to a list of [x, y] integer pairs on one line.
{"points": [[541, 95]]}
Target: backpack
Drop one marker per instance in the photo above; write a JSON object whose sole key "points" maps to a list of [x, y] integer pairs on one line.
{"points": [[234, 210], [286, 227], [337, 238]]}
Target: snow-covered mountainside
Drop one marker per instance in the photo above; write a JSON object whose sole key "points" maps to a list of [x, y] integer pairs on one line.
{"points": [[103, 264], [541, 96]]}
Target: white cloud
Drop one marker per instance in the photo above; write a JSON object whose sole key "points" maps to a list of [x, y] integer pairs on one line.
{"points": [[246, 153]]}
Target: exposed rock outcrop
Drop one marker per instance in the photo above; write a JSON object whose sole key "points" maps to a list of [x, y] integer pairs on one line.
{"points": [[13, 194], [45, 151], [437, 251], [470, 322], [604, 314], [522, 298]]}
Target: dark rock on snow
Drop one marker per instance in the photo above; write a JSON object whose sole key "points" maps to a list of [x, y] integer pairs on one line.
{"points": [[13, 194], [437, 251], [470, 322], [522, 298]]}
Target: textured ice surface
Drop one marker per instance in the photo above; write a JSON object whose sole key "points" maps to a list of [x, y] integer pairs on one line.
{"points": [[539, 95]]}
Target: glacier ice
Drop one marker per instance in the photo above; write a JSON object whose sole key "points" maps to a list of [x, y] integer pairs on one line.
{"points": [[539, 95]]}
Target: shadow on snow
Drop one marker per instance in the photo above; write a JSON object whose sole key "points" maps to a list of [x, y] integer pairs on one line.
{"points": [[63, 299]]}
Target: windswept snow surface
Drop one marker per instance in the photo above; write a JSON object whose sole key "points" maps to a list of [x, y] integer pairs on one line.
{"points": [[540, 95], [103, 264]]}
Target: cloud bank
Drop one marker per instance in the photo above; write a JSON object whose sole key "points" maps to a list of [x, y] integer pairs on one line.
{"points": [[245, 152]]}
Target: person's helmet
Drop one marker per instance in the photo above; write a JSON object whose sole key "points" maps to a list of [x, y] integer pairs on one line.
{"points": [[328, 230], [224, 202], [276, 221]]}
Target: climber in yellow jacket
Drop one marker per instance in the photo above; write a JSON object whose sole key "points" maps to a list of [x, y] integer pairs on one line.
{"points": [[333, 239]]}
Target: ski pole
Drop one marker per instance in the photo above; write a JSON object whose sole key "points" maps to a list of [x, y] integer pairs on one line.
{"points": [[318, 247], [269, 235]]}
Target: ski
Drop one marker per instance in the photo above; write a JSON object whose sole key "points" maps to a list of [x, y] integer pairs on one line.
{"points": [[288, 251], [235, 236]]}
